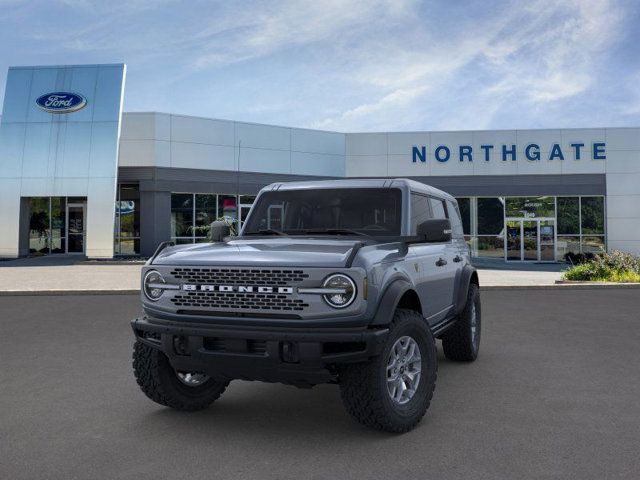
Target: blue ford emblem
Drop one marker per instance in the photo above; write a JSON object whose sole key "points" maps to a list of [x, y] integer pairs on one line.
{"points": [[61, 102]]}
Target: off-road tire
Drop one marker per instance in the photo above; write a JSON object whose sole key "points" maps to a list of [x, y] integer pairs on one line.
{"points": [[159, 381], [363, 386], [459, 343]]}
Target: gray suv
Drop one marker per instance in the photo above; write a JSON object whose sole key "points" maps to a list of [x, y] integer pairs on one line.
{"points": [[342, 281]]}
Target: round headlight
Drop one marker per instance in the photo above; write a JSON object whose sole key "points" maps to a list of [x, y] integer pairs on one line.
{"points": [[344, 290], [152, 285]]}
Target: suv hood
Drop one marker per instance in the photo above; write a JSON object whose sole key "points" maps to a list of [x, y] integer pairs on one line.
{"points": [[287, 251]]}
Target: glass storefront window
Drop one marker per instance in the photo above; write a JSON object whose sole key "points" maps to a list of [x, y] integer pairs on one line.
{"points": [[490, 246], [567, 244], [464, 206], [593, 244], [204, 216], [490, 216], [579, 224], [127, 225], [39, 224], [568, 216], [181, 215], [49, 225], [592, 214], [530, 207], [193, 213]]}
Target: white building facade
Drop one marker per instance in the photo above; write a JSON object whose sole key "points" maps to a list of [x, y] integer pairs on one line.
{"points": [[99, 182]]}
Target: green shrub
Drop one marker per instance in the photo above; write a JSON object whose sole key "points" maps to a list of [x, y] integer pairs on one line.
{"points": [[615, 266]]}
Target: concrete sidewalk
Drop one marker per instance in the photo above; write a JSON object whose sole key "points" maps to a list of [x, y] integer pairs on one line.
{"points": [[69, 274]]}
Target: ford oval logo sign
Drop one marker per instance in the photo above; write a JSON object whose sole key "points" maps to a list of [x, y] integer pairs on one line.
{"points": [[61, 102]]}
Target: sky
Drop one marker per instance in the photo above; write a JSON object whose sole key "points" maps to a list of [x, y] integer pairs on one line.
{"points": [[351, 65]]}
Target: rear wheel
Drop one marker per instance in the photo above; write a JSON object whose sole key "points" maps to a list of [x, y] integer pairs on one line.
{"points": [[392, 392], [162, 384], [462, 342]]}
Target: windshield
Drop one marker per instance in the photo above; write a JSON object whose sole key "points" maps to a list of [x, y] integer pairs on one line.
{"points": [[338, 211]]}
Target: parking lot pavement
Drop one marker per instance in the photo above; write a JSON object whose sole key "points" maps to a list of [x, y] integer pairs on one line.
{"points": [[554, 394]]}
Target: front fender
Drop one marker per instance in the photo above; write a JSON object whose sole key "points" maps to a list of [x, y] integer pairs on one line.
{"points": [[389, 301]]}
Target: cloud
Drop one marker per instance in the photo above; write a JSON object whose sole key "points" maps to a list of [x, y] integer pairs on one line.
{"points": [[348, 65], [541, 54], [285, 25]]}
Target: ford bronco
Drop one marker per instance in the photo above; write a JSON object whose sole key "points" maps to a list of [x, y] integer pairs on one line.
{"points": [[340, 281]]}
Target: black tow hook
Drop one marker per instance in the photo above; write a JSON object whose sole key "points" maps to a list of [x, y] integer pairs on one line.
{"points": [[289, 352]]}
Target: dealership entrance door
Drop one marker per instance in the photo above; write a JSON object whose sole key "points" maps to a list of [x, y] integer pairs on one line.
{"points": [[76, 221], [530, 239]]}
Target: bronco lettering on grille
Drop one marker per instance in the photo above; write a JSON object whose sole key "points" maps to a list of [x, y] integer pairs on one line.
{"points": [[237, 288]]}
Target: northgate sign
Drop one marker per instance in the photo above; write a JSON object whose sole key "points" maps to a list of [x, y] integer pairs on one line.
{"points": [[531, 152]]}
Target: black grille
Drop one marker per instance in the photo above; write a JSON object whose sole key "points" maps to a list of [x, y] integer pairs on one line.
{"points": [[255, 347], [239, 301], [237, 276]]}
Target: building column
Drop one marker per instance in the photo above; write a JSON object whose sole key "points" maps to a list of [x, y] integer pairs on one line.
{"points": [[155, 220], [9, 217]]}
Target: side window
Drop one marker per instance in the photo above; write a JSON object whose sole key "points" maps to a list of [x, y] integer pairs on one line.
{"points": [[437, 206], [420, 210], [454, 217]]}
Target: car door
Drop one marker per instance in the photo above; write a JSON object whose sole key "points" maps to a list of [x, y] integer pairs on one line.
{"points": [[425, 265], [449, 263]]}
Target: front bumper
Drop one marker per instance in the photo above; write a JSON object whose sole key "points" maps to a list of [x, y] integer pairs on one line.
{"points": [[299, 356]]}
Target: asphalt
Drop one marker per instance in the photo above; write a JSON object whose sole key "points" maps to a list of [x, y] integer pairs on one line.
{"points": [[554, 394]]}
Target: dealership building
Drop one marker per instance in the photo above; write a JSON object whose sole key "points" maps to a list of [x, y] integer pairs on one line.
{"points": [[80, 176]]}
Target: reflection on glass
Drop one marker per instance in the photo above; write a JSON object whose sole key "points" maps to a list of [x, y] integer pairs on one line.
{"points": [[181, 214], [593, 244], [464, 205], [58, 244], [530, 240], [58, 216], [490, 216], [39, 224], [530, 207], [39, 244], [514, 240], [129, 246], [568, 216], [547, 235], [592, 215], [491, 246], [127, 220], [205, 214], [228, 207], [181, 241], [75, 237], [567, 244]]}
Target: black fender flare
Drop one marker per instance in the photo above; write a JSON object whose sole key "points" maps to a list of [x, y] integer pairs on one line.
{"points": [[389, 301], [467, 276]]}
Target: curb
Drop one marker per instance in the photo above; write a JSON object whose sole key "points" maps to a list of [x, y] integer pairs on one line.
{"points": [[565, 286]]}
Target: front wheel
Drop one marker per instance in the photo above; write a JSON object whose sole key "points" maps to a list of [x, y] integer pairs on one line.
{"points": [[162, 384], [393, 391]]}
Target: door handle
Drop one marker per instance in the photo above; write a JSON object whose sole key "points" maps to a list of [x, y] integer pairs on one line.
{"points": [[441, 262], [457, 258]]}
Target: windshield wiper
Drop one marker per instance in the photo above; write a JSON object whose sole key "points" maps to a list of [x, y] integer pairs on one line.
{"points": [[268, 231], [336, 231]]}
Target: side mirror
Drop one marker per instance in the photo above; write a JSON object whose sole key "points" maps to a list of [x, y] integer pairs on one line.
{"points": [[219, 230], [435, 230]]}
